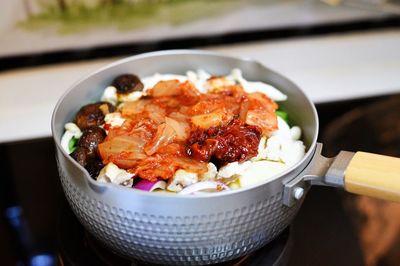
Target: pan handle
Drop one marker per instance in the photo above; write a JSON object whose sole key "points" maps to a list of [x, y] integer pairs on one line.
{"points": [[361, 173], [373, 175]]}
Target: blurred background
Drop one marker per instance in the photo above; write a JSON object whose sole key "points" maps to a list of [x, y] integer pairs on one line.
{"points": [[344, 54]]}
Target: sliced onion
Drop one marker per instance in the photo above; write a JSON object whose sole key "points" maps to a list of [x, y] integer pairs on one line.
{"points": [[147, 185], [205, 185]]}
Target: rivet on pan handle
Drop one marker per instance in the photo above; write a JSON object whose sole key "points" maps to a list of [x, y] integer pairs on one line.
{"points": [[295, 189]]}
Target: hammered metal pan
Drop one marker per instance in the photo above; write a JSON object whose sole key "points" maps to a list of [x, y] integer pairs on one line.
{"points": [[207, 229]]}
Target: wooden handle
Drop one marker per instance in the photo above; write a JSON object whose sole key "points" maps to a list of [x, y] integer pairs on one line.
{"points": [[374, 175]]}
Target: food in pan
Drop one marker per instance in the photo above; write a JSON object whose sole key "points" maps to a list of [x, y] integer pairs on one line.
{"points": [[188, 134]]}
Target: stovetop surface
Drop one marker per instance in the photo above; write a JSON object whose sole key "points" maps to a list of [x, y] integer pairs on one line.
{"points": [[325, 232]]}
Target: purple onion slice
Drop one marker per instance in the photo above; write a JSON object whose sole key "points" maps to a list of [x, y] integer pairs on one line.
{"points": [[147, 185]]}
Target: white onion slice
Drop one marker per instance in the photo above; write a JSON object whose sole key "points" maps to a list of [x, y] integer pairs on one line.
{"points": [[147, 185], [205, 185]]}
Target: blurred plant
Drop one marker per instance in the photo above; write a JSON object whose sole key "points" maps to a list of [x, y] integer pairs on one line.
{"points": [[71, 16], [62, 5]]}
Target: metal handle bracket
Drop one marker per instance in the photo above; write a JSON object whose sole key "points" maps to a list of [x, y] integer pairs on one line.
{"points": [[321, 171]]}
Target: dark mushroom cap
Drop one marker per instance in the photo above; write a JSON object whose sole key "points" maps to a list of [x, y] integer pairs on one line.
{"points": [[80, 155], [93, 114], [127, 83], [94, 167], [90, 139]]}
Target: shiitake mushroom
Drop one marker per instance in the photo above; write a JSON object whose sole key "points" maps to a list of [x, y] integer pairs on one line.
{"points": [[127, 83], [90, 139], [93, 114], [94, 167], [80, 154], [86, 152]]}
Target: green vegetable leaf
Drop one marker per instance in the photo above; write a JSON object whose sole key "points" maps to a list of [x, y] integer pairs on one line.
{"points": [[72, 144], [282, 114]]}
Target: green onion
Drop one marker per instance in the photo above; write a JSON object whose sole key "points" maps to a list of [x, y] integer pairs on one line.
{"points": [[72, 144], [283, 115]]}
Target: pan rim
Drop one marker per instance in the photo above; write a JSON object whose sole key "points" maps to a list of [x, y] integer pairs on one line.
{"points": [[304, 161]]}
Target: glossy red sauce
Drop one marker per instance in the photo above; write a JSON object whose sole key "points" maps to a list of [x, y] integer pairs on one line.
{"points": [[225, 144]]}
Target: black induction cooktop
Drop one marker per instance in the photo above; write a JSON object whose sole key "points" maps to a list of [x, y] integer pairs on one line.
{"points": [[37, 227]]}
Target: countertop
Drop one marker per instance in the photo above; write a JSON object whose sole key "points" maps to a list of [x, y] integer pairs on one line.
{"points": [[328, 68]]}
